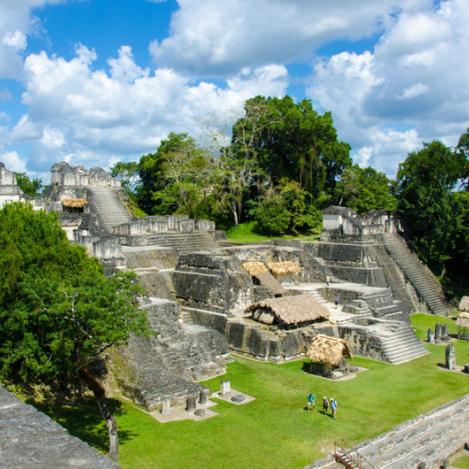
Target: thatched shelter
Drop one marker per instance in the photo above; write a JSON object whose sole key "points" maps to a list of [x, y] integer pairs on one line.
{"points": [[284, 268], [463, 326], [327, 354], [288, 311], [254, 268], [74, 205]]}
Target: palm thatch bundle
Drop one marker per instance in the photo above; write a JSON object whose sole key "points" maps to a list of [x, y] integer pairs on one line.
{"points": [[329, 350], [284, 268], [288, 310], [463, 320], [74, 203], [254, 267]]}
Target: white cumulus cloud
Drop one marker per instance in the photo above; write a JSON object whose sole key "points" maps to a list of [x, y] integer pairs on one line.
{"points": [[411, 88], [91, 116], [221, 37]]}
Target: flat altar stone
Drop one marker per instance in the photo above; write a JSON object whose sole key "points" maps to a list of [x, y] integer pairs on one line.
{"points": [[238, 398]]}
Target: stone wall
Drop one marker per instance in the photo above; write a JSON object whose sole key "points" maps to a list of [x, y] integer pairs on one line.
{"points": [[9, 190], [162, 224], [64, 175], [213, 282], [349, 223]]}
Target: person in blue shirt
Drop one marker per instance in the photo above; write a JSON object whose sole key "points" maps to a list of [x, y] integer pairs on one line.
{"points": [[311, 399], [333, 404]]}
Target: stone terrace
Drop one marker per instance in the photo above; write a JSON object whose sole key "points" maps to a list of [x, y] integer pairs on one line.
{"points": [[29, 439], [430, 438]]}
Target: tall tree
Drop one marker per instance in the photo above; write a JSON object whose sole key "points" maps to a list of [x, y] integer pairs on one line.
{"points": [[175, 179], [365, 189], [30, 187], [58, 311], [127, 173], [426, 181], [291, 140]]}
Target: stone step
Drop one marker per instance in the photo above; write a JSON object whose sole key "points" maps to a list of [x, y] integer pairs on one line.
{"points": [[429, 438]]}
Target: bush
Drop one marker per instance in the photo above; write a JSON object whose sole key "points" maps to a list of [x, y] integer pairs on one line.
{"points": [[289, 211]]}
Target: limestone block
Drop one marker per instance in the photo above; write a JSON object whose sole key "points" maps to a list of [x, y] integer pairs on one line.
{"points": [[464, 304]]}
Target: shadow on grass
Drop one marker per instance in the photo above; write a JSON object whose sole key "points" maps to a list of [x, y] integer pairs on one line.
{"points": [[83, 420]]}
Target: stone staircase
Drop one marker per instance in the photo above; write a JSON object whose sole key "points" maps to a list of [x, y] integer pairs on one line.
{"points": [[184, 242], [109, 207], [402, 345], [186, 316], [422, 279], [430, 438]]}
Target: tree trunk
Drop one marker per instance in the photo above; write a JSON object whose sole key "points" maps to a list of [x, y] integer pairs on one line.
{"points": [[235, 213], [100, 395]]}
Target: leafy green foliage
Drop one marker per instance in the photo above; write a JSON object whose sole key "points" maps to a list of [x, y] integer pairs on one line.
{"points": [[127, 173], [30, 187], [58, 312], [365, 189], [291, 140], [427, 202], [288, 211], [175, 178]]}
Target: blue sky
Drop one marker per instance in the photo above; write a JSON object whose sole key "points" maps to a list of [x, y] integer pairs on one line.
{"points": [[93, 82]]}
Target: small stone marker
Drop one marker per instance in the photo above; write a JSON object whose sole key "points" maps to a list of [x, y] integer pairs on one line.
{"points": [[238, 398], [437, 332], [200, 412], [203, 396], [466, 368], [225, 388], [191, 403], [166, 407], [430, 337], [450, 357], [444, 331]]}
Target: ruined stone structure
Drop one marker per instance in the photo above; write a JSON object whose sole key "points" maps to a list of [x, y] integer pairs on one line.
{"points": [[206, 298], [29, 439], [9, 190]]}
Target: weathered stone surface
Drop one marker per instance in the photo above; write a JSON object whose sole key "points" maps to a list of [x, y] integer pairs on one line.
{"points": [[29, 439], [238, 398], [450, 357], [464, 304]]}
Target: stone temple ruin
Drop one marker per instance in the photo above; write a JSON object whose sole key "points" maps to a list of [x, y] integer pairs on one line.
{"points": [[207, 298]]}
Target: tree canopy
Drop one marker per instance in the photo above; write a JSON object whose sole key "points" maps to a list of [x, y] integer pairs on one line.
{"points": [[58, 311], [429, 205]]}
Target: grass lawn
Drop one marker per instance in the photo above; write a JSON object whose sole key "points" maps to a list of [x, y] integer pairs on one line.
{"points": [[275, 431], [244, 234], [461, 460]]}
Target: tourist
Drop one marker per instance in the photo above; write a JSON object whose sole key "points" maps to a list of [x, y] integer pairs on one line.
{"points": [[333, 407], [325, 405], [311, 401], [336, 301], [327, 280]]}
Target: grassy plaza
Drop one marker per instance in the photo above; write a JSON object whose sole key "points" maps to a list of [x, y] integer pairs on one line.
{"points": [[275, 430]]}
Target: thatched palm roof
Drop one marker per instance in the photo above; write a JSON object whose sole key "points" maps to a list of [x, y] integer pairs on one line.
{"points": [[284, 268], [330, 350], [289, 310], [74, 203], [254, 267], [463, 320]]}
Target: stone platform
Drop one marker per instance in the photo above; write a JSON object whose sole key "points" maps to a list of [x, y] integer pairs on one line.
{"points": [[29, 439]]}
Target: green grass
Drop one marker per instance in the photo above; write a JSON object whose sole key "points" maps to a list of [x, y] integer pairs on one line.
{"points": [[461, 461], [244, 234], [275, 431]]}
